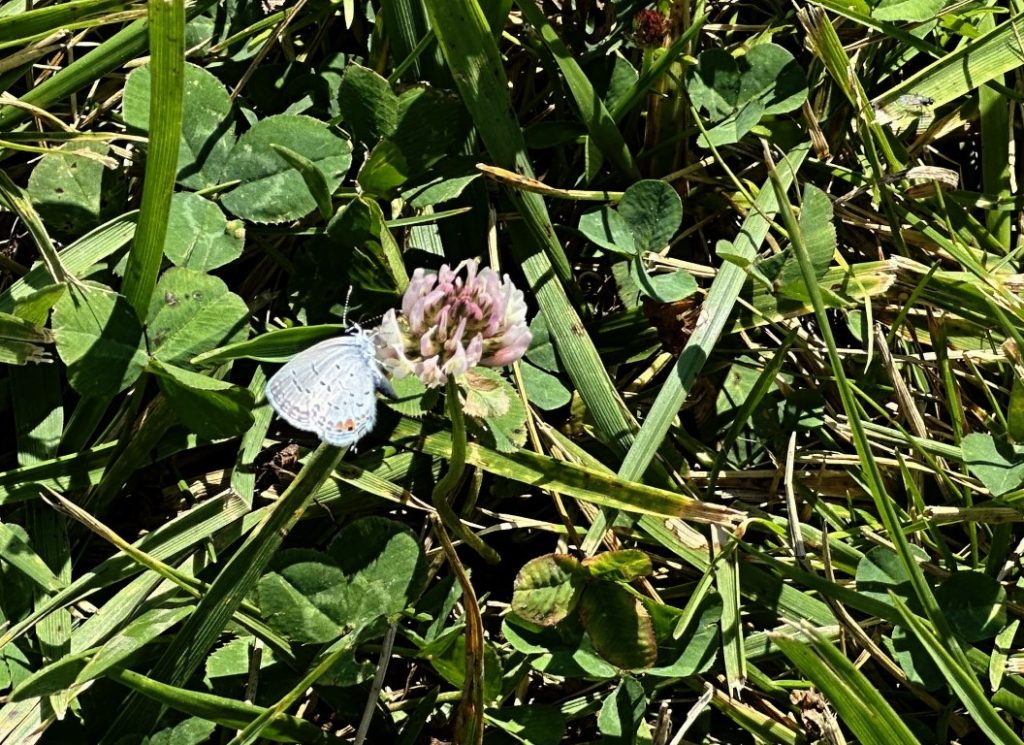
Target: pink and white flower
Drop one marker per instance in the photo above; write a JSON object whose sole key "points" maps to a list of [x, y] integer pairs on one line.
{"points": [[452, 321]]}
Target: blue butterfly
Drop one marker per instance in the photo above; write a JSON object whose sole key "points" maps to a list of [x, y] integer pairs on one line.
{"points": [[330, 389]]}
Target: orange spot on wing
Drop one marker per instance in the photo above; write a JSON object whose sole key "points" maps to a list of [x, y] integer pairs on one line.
{"points": [[347, 425]]}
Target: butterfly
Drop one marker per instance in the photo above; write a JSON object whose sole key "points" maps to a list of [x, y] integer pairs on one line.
{"points": [[330, 388]]}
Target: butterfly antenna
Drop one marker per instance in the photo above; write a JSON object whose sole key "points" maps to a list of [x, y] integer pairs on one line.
{"points": [[344, 313]]}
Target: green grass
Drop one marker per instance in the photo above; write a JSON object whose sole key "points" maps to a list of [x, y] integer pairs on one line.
{"points": [[757, 479]]}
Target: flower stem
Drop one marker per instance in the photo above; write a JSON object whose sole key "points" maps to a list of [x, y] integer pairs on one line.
{"points": [[445, 488], [469, 719]]}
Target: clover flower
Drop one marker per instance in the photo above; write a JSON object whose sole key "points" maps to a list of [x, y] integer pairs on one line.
{"points": [[649, 27], [451, 322]]}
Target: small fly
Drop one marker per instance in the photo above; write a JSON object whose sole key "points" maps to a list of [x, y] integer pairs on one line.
{"points": [[905, 106], [913, 101]]}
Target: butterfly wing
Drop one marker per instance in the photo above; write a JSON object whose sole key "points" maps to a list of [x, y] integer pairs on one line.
{"points": [[331, 389], [298, 391], [382, 383], [352, 407]]}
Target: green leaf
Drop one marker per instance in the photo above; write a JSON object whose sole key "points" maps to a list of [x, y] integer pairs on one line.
{"points": [[547, 589], [913, 659], [668, 288], [412, 397], [271, 190], [192, 312], [385, 565], [734, 126], [622, 79], [737, 92], [562, 650], [881, 571], [544, 390], [542, 350], [996, 463], [819, 234], [714, 83], [207, 125], [429, 121], [536, 724], [495, 408], [369, 108], [373, 568], [694, 651], [199, 236], [624, 565], [315, 181], [619, 626], [622, 713], [235, 658], [974, 603], [300, 597], [608, 229], [653, 212], [192, 731], [899, 11], [68, 189], [211, 408], [450, 179], [374, 260], [771, 76], [99, 338]]}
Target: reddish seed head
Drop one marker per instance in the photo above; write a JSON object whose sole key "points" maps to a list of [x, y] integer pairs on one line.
{"points": [[649, 28]]}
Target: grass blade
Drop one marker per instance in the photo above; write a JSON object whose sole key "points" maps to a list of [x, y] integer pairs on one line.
{"points": [[712, 321], [167, 55], [475, 62], [239, 575], [959, 677], [857, 701], [591, 108]]}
